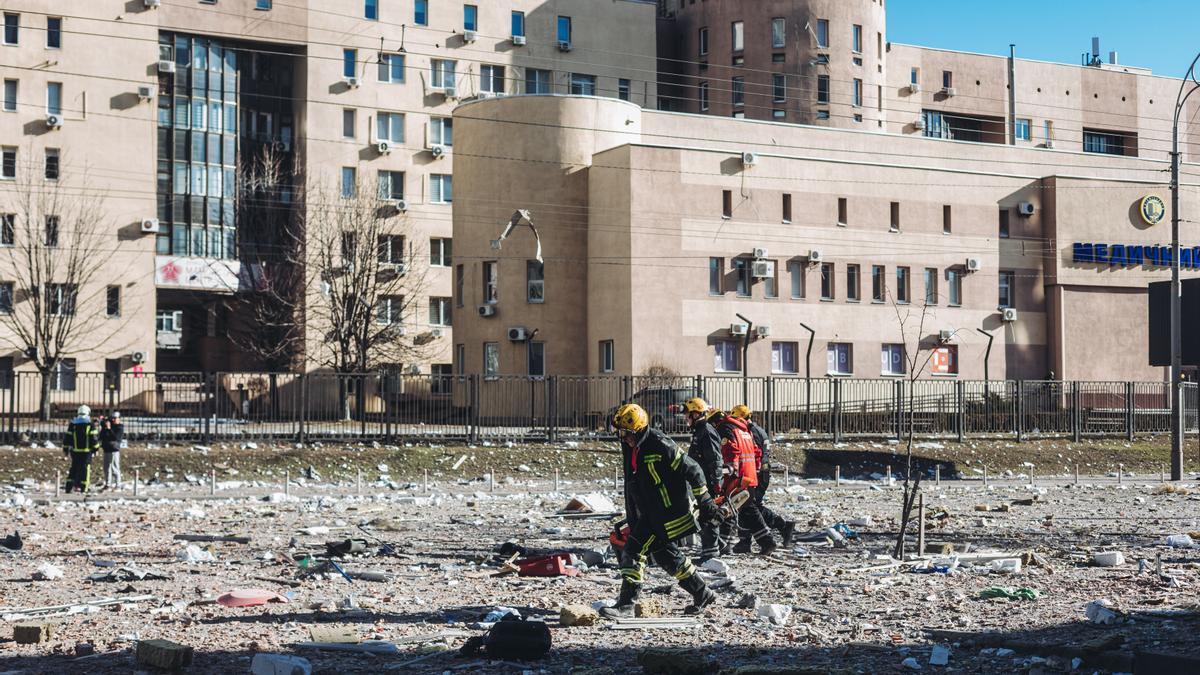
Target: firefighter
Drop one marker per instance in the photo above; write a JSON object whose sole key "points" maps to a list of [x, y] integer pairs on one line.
{"points": [[773, 520], [79, 443], [741, 473], [705, 449], [661, 483]]}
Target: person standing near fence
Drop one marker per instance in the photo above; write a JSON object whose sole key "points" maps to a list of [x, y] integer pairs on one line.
{"points": [[705, 449], [785, 527], [112, 438], [79, 443]]}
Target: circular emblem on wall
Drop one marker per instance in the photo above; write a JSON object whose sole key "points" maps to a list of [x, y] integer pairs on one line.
{"points": [[1153, 209]]}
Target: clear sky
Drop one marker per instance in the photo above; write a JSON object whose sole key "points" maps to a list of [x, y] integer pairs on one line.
{"points": [[1158, 34]]}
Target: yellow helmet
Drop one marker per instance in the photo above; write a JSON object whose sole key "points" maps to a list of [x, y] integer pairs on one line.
{"points": [[741, 411], [695, 404], [631, 417]]}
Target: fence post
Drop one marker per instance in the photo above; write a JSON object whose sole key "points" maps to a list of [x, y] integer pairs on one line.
{"points": [[898, 408], [1019, 409], [627, 388], [700, 387], [473, 409], [836, 419], [550, 407], [1076, 423], [209, 409], [303, 412], [360, 402], [12, 407], [769, 404], [960, 396], [1129, 418]]}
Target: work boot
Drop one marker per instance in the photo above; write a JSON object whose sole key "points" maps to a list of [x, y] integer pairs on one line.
{"points": [[743, 546], [766, 544], [624, 607], [786, 531], [702, 596]]}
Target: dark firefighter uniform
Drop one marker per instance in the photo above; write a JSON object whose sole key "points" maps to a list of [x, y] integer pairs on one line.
{"points": [[739, 453], [79, 443], [763, 442], [705, 450], [661, 483]]}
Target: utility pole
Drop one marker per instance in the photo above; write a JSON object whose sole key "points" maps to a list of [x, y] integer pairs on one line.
{"points": [[1176, 333]]}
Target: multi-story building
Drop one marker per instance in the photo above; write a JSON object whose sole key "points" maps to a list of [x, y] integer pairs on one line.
{"points": [[159, 108], [914, 202]]}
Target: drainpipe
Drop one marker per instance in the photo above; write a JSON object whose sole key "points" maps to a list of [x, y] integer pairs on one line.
{"points": [[1012, 94]]}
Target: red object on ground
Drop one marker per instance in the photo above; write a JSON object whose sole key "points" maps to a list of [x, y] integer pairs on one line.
{"points": [[249, 597], [557, 565]]}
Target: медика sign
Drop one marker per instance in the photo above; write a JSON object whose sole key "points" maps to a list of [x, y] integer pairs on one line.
{"points": [[1132, 255]]}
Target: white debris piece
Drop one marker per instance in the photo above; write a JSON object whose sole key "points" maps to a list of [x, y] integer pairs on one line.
{"points": [[193, 554], [48, 572], [776, 614]]}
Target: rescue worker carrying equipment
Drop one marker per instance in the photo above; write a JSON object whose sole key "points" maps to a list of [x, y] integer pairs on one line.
{"points": [[79, 443], [773, 520], [741, 473]]}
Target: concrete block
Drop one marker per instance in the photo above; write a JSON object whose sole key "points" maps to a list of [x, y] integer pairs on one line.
{"points": [[163, 654]]}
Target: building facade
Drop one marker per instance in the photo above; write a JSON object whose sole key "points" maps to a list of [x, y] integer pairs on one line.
{"points": [[160, 109]]}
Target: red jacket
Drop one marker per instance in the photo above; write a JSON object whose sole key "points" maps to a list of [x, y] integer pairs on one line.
{"points": [[739, 453]]}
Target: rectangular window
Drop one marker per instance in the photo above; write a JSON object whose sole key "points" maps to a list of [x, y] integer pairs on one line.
{"points": [[12, 28], [738, 91], [738, 36], [1008, 279], [371, 10], [779, 88], [914, 76], [441, 131], [391, 68], [62, 377], [895, 222], [852, 283], [441, 381], [741, 266], [726, 204], [902, 285], [535, 282], [390, 310], [537, 81], [421, 12], [390, 249], [391, 185], [787, 208], [348, 122], [891, 360], [442, 74], [608, 357], [796, 271], [727, 356], [470, 17], [703, 41], [439, 311], [778, 33], [564, 29], [583, 85], [856, 98], [52, 230], [1023, 129], [53, 32], [491, 79], [716, 274], [623, 89], [460, 284], [8, 229], [441, 190], [439, 252], [947, 79], [822, 33], [8, 163], [518, 24], [944, 360], [856, 39], [349, 182], [839, 358], [51, 166], [1004, 223], [460, 359], [262, 4], [703, 96], [54, 97], [947, 223], [1103, 143], [537, 359], [112, 301], [60, 299], [822, 89], [931, 286], [349, 63], [6, 297], [491, 359], [10, 96], [878, 283], [491, 282], [843, 213], [771, 283], [783, 358], [827, 281], [954, 287]]}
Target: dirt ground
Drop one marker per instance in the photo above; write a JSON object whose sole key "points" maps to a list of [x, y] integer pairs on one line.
{"points": [[849, 611]]}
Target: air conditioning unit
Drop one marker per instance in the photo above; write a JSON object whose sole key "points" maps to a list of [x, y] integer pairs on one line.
{"points": [[919, 125], [487, 310], [470, 36], [436, 332], [815, 256], [738, 329], [518, 40], [762, 331], [518, 334], [351, 82], [914, 88], [762, 269], [945, 335], [449, 92], [974, 264], [1025, 208], [145, 93], [949, 91], [151, 3], [760, 253], [438, 151], [564, 46], [138, 357], [149, 225], [166, 66], [1050, 144], [1008, 314], [401, 205], [749, 159], [383, 147], [396, 269], [54, 121]]}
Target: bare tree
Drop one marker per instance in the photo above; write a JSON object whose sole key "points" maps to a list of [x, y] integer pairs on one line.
{"points": [[54, 231]]}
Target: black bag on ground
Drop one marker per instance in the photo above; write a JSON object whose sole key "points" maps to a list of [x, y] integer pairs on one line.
{"points": [[516, 640]]}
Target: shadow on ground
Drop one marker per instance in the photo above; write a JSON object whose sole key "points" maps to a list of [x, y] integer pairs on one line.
{"points": [[856, 464]]}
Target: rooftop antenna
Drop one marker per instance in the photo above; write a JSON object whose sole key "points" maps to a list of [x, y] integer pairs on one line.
{"points": [[1096, 51]]}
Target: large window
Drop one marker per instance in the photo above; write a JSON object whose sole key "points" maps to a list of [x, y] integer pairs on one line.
{"points": [[491, 359], [738, 36], [783, 358], [839, 358], [441, 131], [537, 81], [608, 356], [421, 12], [390, 127], [491, 282], [442, 74], [823, 33], [439, 252], [742, 267], [852, 283], [583, 84], [1008, 280], [391, 68], [390, 248], [954, 287], [439, 311], [491, 79], [441, 190], [738, 91], [822, 89], [535, 282], [891, 360], [878, 284], [12, 28], [61, 299], [902, 285], [727, 356], [716, 273], [1104, 143], [931, 286], [796, 271], [391, 185], [778, 33], [537, 359], [390, 310]]}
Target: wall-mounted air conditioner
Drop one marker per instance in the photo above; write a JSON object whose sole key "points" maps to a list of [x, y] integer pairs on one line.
{"points": [[518, 334], [974, 264], [1008, 314], [738, 329], [149, 225], [487, 310], [518, 40]]}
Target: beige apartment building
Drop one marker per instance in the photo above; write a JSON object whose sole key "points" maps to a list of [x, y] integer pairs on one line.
{"points": [[900, 200], [155, 108]]}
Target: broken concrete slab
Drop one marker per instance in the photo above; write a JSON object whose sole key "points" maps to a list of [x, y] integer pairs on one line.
{"points": [[32, 633], [163, 654]]}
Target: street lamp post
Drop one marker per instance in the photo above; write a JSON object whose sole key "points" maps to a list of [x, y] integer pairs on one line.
{"points": [[1176, 332]]}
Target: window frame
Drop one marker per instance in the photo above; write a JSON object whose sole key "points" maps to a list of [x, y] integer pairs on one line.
{"points": [[537, 347], [64, 375], [702, 40], [722, 351], [856, 37], [470, 17], [387, 190], [778, 37], [438, 127], [834, 348], [798, 279], [349, 188], [389, 310], [903, 285], [716, 276], [442, 180], [1023, 129], [371, 10], [737, 36], [608, 356], [737, 91], [517, 23], [14, 29], [490, 276], [822, 34], [54, 32], [535, 282], [491, 360], [444, 247], [878, 284], [391, 68], [1006, 282], [853, 282], [560, 23], [112, 305], [954, 287], [350, 122], [421, 12], [778, 88], [703, 96], [887, 351], [582, 84], [828, 282], [8, 296], [9, 104], [55, 155], [440, 312], [781, 349], [931, 287], [494, 79]]}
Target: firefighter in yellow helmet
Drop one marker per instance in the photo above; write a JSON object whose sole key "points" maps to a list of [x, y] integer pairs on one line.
{"points": [[661, 483], [773, 520], [705, 449]]}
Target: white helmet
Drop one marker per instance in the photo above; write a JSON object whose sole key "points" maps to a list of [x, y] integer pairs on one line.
{"points": [[84, 411]]}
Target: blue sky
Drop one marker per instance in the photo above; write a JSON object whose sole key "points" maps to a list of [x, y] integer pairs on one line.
{"points": [[1156, 34]]}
